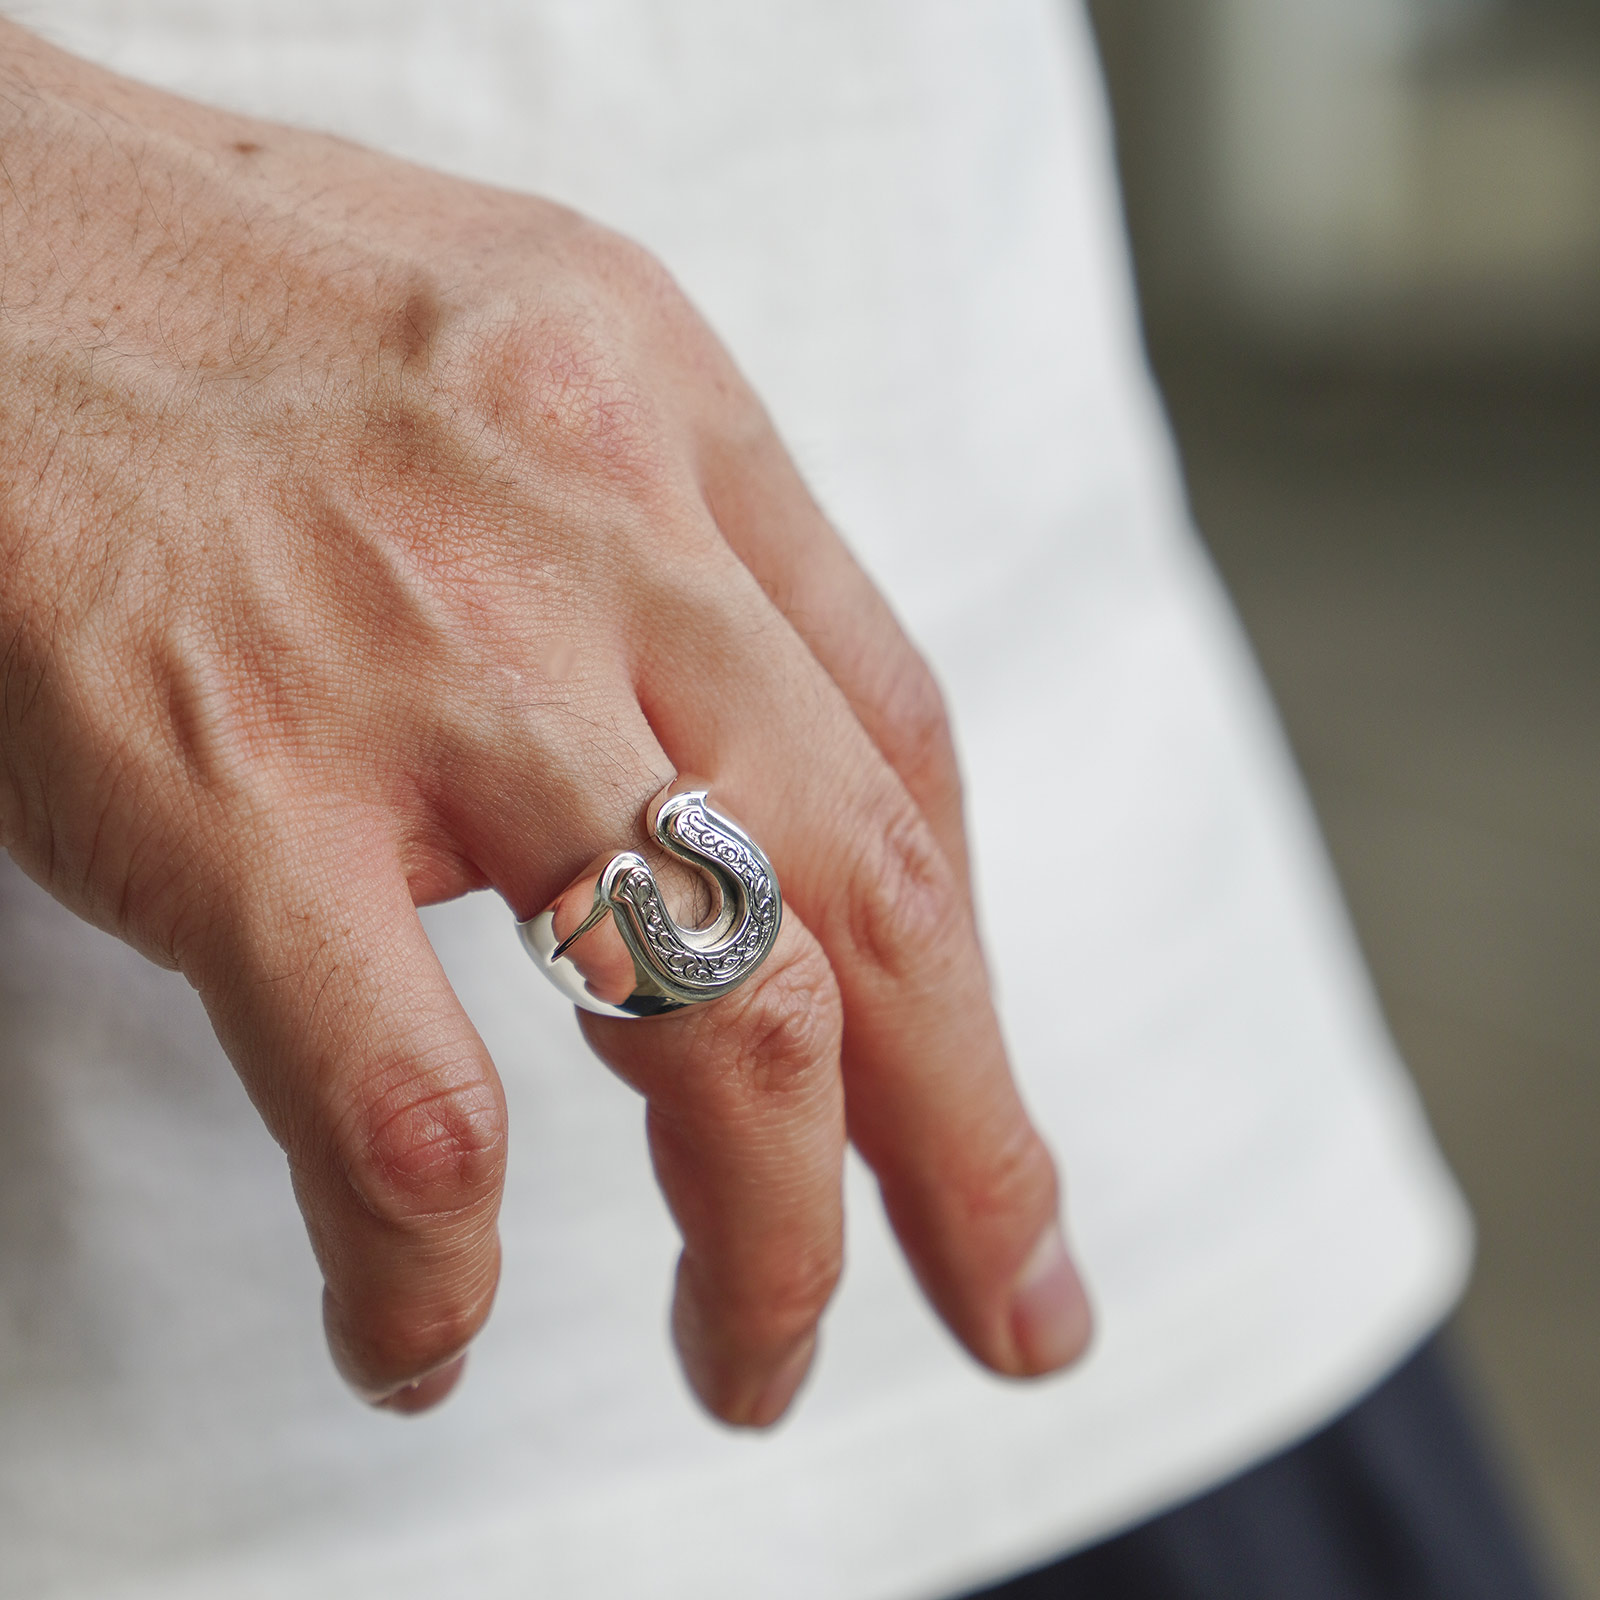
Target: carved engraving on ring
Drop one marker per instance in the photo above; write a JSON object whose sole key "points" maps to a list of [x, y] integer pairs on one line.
{"points": [[697, 961], [674, 965]]}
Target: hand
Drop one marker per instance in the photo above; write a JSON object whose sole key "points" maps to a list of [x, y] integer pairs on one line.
{"points": [[367, 537]]}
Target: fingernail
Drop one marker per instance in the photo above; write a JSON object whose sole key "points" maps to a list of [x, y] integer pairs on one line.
{"points": [[1050, 1317], [425, 1393], [781, 1387]]}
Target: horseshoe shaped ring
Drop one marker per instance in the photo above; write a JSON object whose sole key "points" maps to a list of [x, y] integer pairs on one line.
{"points": [[673, 966]]}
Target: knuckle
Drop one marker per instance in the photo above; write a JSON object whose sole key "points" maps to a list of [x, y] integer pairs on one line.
{"points": [[790, 1023], [782, 1302], [903, 901], [563, 388], [391, 1345], [1013, 1177], [629, 266], [792, 1304], [802, 1285], [917, 730], [419, 1344], [640, 285], [432, 1144]]}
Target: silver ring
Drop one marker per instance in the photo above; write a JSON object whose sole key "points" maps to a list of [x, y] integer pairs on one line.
{"points": [[673, 966]]}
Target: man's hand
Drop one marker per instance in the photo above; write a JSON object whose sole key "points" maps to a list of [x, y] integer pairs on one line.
{"points": [[367, 537]]}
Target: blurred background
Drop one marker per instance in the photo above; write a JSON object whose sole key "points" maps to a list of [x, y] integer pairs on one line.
{"points": [[1367, 234]]}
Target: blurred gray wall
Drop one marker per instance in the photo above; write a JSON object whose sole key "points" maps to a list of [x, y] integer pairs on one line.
{"points": [[1368, 237], [1389, 180]]}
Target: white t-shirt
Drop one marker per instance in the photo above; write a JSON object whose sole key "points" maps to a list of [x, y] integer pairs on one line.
{"points": [[900, 215]]}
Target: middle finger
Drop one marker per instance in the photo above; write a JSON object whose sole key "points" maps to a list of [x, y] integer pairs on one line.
{"points": [[968, 1183], [746, 1128]]}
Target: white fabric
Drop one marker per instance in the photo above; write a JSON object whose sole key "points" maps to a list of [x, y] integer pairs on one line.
{"points": [[900, 215]]}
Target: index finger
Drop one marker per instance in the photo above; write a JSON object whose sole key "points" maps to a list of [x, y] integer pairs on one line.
{"points": [[331, 1004]]}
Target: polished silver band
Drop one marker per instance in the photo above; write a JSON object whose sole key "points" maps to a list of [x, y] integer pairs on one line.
{"points": [[673, 966]]}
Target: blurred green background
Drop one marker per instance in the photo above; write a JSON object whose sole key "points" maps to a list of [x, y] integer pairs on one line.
{"points": [[1367, 234]]}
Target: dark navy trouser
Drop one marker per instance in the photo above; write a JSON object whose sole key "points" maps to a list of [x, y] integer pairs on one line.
{"points": [[1393, 1501]]}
